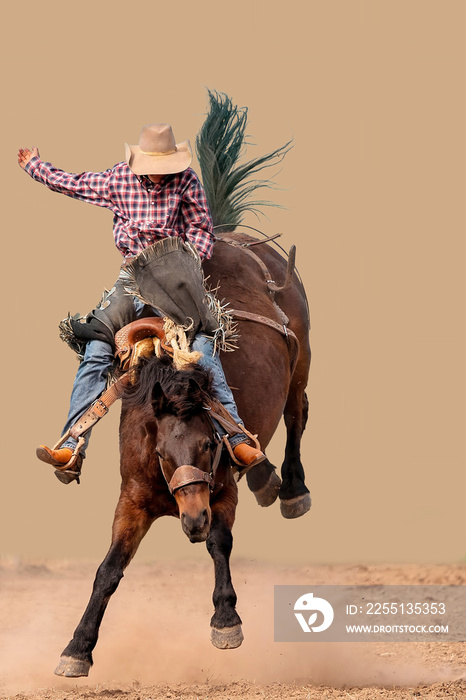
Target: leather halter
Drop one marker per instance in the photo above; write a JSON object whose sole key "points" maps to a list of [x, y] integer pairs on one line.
{"points": [[187, 474]]}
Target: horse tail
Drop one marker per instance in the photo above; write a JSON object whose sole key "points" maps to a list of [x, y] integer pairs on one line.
{"points": [[220, 143]]}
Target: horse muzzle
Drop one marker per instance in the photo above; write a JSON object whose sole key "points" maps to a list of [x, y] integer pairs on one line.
{"points": [[188, 486], [197, 526]]}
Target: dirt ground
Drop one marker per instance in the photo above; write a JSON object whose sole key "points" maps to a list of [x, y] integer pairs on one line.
{"points": [[155, 643]]}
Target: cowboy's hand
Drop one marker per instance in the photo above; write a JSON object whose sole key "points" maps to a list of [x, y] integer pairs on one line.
{"points": [[25, 155]]}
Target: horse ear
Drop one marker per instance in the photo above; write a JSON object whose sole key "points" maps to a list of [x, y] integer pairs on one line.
{"points": [[196, 391], [158, 398]]}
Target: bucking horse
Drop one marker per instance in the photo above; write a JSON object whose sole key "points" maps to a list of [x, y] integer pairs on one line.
{"points": [[172, 460]]}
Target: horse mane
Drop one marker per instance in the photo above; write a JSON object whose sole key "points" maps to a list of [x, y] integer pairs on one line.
{"points": [[220, 143], [183, 393]]}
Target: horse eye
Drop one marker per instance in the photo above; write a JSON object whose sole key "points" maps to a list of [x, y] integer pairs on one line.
{"points": [[207, 445]]}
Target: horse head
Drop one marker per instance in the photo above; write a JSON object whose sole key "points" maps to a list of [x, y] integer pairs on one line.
{"points": [[184, 439], [186, 451]]}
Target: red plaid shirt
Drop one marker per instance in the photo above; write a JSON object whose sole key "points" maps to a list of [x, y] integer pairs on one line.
{"points": [[143, 213]]}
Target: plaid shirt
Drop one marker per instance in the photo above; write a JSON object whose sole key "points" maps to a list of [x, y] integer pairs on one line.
{"points": [[143, 212]]}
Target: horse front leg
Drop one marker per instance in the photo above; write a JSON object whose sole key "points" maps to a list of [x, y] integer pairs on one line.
{"points": [[129, 527], [226, 630]]}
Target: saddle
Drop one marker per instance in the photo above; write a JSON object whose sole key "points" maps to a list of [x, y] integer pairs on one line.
{"points": [[153, 335], [139, 339]]}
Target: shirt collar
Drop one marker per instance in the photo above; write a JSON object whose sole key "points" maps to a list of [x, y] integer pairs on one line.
{"points": [[149, 185]]}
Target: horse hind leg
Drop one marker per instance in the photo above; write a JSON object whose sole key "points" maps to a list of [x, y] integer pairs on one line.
{"points": [[264, 483], [129, 527], [295, 499]]}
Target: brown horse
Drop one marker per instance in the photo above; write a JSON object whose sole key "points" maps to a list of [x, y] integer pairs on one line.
{"points": [[165, 427]]}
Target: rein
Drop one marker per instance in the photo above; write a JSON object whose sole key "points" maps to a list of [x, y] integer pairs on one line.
{"points": [[265, 239], [271, 284], [282, 328]]}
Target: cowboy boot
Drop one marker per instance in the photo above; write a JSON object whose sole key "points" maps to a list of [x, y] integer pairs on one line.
{"points": [[69, 464], [248, 455]]}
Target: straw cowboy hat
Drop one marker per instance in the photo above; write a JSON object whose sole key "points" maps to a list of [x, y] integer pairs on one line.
{"points": [[157, 153]]}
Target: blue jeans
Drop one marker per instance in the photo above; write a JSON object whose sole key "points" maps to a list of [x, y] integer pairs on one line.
{"points": [[91, 380]]}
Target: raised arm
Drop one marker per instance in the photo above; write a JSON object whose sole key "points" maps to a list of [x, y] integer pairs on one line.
{"points": [[87, 187]]}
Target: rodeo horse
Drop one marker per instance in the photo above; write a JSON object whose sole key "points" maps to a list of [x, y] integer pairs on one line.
{"points": [[172, 458]]}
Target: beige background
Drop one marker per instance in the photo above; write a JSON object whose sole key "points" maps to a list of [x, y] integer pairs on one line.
{"points": [[373, 93]]}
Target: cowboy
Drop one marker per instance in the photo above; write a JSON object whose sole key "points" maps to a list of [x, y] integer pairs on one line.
{"points": [[153, 194]]}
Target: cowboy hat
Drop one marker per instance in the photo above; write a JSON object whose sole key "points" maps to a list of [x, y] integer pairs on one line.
{"points": [[157, 153]]}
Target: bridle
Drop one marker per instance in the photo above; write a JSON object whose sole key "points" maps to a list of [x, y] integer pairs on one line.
{"points": [[187, 474]]}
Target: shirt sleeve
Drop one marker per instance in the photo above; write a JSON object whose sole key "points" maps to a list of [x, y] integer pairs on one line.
{"points": [[197, 219], [87, 187]]}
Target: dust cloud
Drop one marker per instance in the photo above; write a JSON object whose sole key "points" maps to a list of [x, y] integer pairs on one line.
{"points": [[156, 630]]}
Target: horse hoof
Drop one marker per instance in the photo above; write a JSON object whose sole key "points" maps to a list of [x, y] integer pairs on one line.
{"points": [[267, 494], [295, 507], [72, 668], [226, 638]]}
